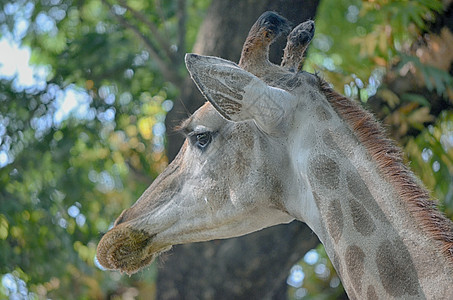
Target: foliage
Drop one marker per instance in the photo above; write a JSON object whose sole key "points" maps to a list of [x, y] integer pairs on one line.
{"points": [[363, 46], [431, 154], [434, 78], [383, 38], [65, 177], [315, 278], [370, 34]]}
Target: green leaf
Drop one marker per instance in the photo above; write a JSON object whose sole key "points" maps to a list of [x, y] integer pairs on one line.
{"points": [[410, 97]]}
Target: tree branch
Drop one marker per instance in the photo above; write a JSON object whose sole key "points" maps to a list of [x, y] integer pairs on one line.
{"points": [[168, 73], [156, 34]]}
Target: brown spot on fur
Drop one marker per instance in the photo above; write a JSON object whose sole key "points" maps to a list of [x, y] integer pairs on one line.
{"points": [[390, 163], [249, 141], [313, 95], [325, 170], [322, 113], [277, 194], [335, 220], [244, 133], [371, 293], [354, 258], [241, 163], [329, 141], [361, 219], [358, 188], [396, 270]]}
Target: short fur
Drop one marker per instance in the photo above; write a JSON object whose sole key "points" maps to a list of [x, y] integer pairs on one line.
{"points": [[390, 163]]}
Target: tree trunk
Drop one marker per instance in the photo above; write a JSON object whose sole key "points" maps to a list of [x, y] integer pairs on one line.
{"points": [[254, 266], [250, 267]]}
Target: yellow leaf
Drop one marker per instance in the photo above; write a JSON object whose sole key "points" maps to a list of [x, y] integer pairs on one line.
{"points": [[131, 130], [145, 126], [420, 116], [380, 61], [390, 97], [382, 41], [89, 84], [133, 142], [3, 227], [370, 44], [406, 109]]}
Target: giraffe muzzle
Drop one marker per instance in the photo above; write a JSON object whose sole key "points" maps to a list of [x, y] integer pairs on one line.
{"points": [[128, 250]]}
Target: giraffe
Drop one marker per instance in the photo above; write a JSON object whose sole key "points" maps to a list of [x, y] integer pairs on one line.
{"points": [[275, 144]]}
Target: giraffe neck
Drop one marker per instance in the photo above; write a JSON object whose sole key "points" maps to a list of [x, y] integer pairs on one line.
{"points": [[376, 245]]}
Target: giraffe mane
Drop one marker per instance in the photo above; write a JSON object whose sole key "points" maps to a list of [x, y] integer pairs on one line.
{"points": [[389, 159]]}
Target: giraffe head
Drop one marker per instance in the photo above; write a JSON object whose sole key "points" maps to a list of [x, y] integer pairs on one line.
{"points": [[233, 174]]}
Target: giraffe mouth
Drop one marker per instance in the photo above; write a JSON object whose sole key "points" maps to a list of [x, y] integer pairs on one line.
{"points": [[128, 250]]}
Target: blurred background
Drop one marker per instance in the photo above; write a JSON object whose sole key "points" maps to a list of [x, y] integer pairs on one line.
{"points": [[90, 91]]}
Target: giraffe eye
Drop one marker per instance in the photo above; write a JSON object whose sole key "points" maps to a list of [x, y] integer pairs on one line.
{"points": [[202, 140]]}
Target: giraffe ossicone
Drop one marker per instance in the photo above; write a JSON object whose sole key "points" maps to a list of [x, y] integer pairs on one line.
{"points": [[275, 144]]}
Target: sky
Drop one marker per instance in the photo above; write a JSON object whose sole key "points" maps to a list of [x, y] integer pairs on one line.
{"points": [[15, 64], [15, 61]]}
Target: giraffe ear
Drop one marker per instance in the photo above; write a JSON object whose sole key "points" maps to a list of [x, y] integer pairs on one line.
{"points": [[237, 94]]}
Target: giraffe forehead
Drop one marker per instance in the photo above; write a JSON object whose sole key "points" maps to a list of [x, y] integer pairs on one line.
{"points": [[206, 116], [290, 81]]}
